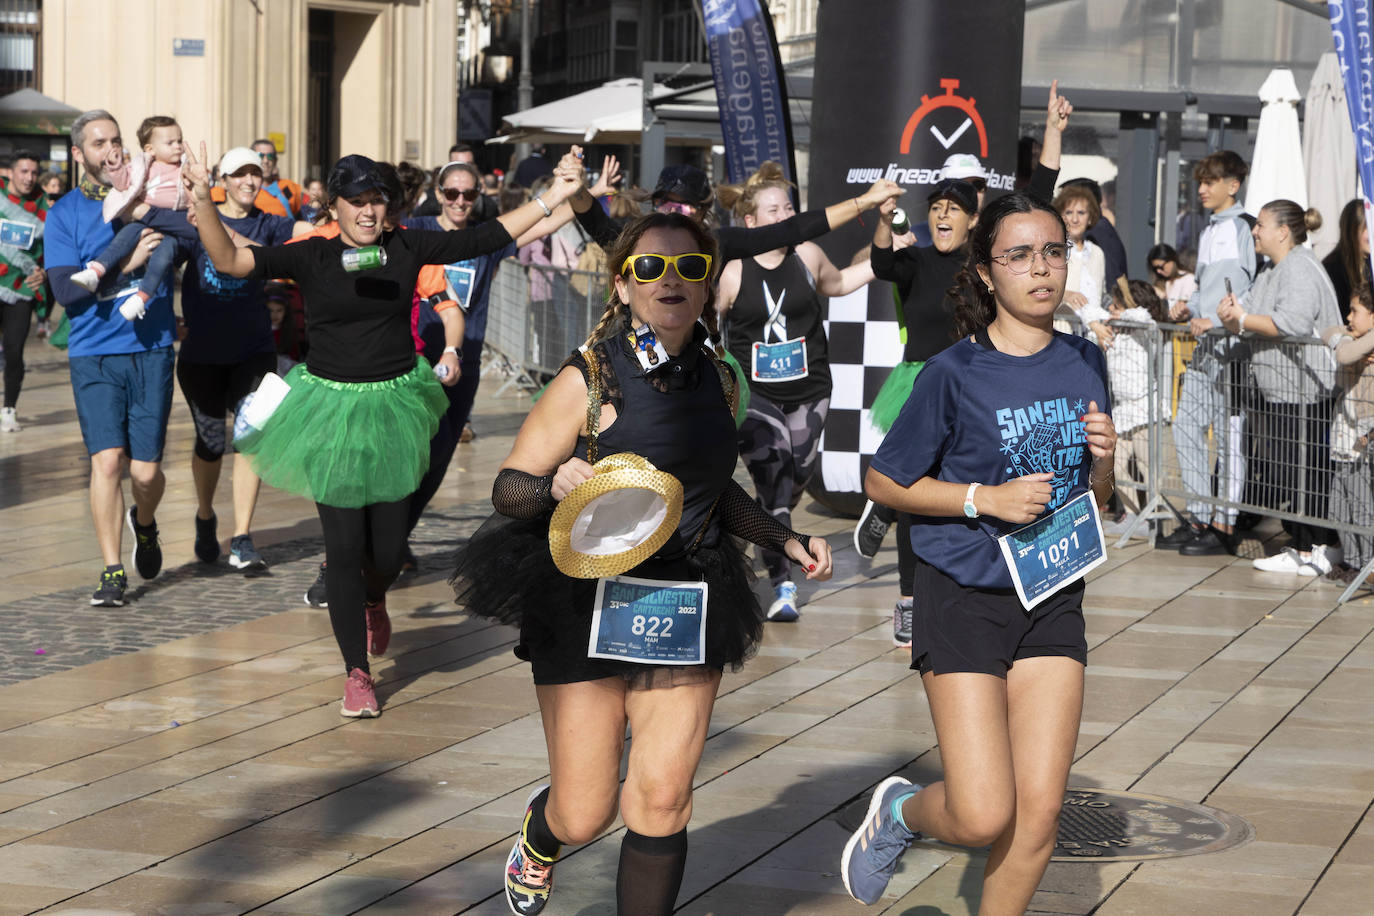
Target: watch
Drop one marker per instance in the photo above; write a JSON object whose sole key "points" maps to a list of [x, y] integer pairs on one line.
{"points": [[970, 509], [454, 351]]}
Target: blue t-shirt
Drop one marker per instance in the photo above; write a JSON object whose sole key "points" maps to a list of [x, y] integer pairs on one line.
{"points": [[976, 414], [76, 232], [227, 320], [468, 283]]}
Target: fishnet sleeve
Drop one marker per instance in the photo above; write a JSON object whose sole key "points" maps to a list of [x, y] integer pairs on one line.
{"points": [[743, 517], [520, 495]]}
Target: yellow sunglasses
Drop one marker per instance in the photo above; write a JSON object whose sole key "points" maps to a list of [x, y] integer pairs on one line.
{"points": [[646, 268]]}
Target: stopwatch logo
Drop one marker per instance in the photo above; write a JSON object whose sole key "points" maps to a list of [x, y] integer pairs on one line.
{"points": [[948, 100]]}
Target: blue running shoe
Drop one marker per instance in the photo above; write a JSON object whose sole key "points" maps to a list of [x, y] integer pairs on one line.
{"points": [[784, 606], [872, 853]]}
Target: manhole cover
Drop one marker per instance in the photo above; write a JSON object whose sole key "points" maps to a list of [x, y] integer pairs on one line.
{"points": [[1098, 824]]}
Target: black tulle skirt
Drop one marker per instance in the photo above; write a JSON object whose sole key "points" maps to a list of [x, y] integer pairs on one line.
{"points": [[506, 573]]}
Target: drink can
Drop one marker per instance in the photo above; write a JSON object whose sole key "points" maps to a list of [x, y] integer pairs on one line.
{"points": [[369, 257]]}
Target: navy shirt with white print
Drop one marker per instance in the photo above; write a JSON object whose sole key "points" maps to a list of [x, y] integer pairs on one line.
{"points": [[976, 414]]}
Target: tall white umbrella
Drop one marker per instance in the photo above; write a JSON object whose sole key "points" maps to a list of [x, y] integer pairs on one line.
{"points": [[1328, 151], [1276, 171]]}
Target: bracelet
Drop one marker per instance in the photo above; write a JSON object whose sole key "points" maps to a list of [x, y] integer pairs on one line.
{"points": [[543, 206], [858, 214], [1242, 324], [454, 351]]}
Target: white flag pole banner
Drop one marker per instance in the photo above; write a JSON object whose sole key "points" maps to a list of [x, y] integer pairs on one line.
{"points": [[1354, 38]]}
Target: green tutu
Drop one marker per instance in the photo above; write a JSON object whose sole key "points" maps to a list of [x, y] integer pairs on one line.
{"points": [[893, 395], [349, 444]]}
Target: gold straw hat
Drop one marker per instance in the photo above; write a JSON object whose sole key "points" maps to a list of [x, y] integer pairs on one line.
{"points": [[615, 519]]}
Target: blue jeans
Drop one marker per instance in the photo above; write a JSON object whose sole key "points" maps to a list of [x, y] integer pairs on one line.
{"points": [[1202, 406], [123, 245]]}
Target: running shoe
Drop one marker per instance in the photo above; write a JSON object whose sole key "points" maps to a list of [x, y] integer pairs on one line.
{"points": [[1287, 561], [113, 583], [315, 596], [360, 699], [207, 539], [872, 528], [147, 554], [872, 853], [901, 624], [243, 555], [9, 420], [784, 607], [378, 627], [529, 876]]}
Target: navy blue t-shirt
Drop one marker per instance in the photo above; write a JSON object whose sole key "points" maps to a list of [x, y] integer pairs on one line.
{"points": [[227, 320], [980, 415], [469, 285]]}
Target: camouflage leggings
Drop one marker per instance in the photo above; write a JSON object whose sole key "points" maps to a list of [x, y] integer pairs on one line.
{"points": [[780, 444]]}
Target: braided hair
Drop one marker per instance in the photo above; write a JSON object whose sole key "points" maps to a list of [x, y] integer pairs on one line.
{"points": [[616, 317]]}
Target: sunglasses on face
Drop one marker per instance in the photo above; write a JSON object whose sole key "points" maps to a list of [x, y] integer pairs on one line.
{"points": [[1158, 266], [452, 194], [268, 157], [647, 268]]}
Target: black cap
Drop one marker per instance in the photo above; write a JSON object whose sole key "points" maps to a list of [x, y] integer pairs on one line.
{"points": [[685, 182], [352, 175], [958, 190]]}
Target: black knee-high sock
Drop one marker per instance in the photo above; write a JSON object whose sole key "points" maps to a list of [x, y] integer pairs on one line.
{"points": [[537, 833], [650, 873]]}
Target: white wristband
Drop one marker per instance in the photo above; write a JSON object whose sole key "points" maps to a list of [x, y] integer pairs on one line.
{"points": [[1241, 330], [543, 206], [454, 351]]}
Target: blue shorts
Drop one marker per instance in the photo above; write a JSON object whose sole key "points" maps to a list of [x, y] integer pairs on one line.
{"points": [[123, 401]]}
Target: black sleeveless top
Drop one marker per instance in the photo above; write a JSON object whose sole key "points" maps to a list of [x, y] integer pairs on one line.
{"points": [[678, 418], [790, 286]]}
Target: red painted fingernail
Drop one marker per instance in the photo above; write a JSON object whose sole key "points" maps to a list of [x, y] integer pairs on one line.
{"points": [[811, 568]]}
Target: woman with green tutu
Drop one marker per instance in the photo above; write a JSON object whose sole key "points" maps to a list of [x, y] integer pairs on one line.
{"points": [[353, 432], [923, 277]]}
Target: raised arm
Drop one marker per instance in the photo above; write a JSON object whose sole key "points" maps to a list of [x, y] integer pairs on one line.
{"points": [[830, 280], [227, 257], [1046, 172]]}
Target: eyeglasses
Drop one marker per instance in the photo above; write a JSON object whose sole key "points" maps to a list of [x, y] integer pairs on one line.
{"points": [[646, 268], [452, 194], [1019, 260]]}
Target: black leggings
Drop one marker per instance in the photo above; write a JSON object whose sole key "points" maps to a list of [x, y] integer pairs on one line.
{"points": [[363, 549], [14, 325], [445, 441]]}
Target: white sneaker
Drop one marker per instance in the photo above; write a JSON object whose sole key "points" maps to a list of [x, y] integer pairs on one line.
{"points": [[1286, 562], [1319, 563], [9, 420], [132, 307], [87, 279]]}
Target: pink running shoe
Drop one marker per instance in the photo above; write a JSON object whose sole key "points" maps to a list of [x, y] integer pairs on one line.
{"points": [[378, 628], [359, 701]]}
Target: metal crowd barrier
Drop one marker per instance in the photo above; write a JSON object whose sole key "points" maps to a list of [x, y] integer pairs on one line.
{"points": [[536, 316], [1221, 425]]}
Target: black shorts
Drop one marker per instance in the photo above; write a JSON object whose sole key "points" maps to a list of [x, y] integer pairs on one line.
{"points": [[212, 390], [985, 630]]}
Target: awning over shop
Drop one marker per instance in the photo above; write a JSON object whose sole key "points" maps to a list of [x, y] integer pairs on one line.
{"points": [[609, 114], [29, 111]]}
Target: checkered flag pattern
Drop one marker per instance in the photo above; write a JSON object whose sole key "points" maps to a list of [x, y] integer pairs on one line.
{"points": [[864, 346]]}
